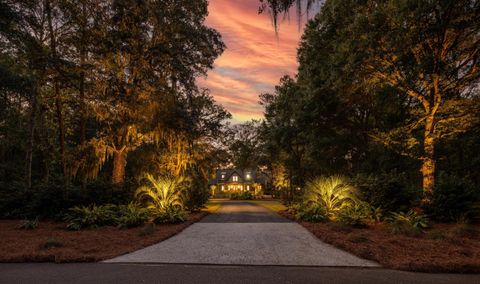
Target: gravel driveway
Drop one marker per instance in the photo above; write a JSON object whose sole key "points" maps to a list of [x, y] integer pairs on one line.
{"points": [[243, 233]]}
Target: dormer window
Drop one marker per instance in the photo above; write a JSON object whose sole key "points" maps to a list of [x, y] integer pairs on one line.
{"points": [[248, 176], [223, 175], [235, 178]]}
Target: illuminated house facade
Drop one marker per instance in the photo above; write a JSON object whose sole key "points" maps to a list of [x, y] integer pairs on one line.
{"points": [[235, 180]]}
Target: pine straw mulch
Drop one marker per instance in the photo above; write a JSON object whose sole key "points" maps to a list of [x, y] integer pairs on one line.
{"points": [[446, 248], [17, 245]]}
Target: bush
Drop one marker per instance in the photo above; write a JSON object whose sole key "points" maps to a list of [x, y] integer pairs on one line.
{"points": [[357, 215], [52, 199], [245, 195], [161, 193], [131, 215], [196, 195], [28, 224], [293, 208], [171, 215], [331, 193], [454, 198], [390, 191], [410, 223], [93, 216], [313, 213]]}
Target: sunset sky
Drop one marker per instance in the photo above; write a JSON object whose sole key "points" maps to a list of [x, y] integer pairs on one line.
{"points": [[254, 60]]}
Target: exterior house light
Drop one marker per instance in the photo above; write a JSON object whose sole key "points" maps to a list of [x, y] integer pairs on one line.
{"points": [[248, 176]]}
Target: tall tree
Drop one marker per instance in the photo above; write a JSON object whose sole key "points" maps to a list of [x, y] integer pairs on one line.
{"points": [[428, 50]]}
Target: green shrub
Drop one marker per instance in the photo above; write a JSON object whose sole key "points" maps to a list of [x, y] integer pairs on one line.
{"points": [[454, 198], [312, 213], [28, 224], [410, 223], [245, 195], [171, 215], [161, 193], [52, 243], [131, 215], [196, 195], [357, 215], [92, 216], [331, 193], [293, 208], [390, 191]]}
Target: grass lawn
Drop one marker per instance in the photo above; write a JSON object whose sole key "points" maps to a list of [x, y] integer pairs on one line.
{"points": [[51, 242], [273, 205], [442, 248]]}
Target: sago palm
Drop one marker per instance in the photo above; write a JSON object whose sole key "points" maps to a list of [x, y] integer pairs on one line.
{"points": [[162, 193], [332, 193]]}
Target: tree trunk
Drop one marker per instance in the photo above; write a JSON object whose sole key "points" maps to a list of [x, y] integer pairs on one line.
{"points": [[61, 130], [83, 108], [31, 136], [58, 99], [428, 166], [119, 164]]}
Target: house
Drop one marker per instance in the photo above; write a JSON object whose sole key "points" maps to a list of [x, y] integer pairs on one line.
{"points": [[236, 180]]}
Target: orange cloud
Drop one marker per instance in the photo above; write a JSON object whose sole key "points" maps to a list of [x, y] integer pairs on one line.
{"points": [[254, 59]]}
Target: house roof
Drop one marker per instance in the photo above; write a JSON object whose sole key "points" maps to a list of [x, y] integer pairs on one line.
{"points": [[227, 173]]}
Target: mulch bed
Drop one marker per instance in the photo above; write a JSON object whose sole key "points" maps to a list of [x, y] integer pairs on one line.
{"points": [[442, 248], [91, 245]]}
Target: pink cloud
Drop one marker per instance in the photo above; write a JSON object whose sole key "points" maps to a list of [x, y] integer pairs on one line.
{"points": [[254, 59]]}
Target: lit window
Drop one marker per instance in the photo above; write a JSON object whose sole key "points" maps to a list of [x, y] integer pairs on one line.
{"points": [[223, 188], [223, 176], [248, 187], [248, 176], [235, 178]]}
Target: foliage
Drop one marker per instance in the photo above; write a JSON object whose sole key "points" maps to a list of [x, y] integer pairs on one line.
{"points": [[409, 223], [454, 198], [293, 208], [197, 194], [95, 216], [90, 217], [131, 215], [390, 191], [370, 100], [28, 224], [332, 193], [312, 213], [99, 88], [244, 195], [161, 193], [170, 215], [357, 215]]}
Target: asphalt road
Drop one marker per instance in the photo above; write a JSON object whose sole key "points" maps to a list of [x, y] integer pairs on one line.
{"points": [[242, 233], [155, 273], [243, 212]]}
